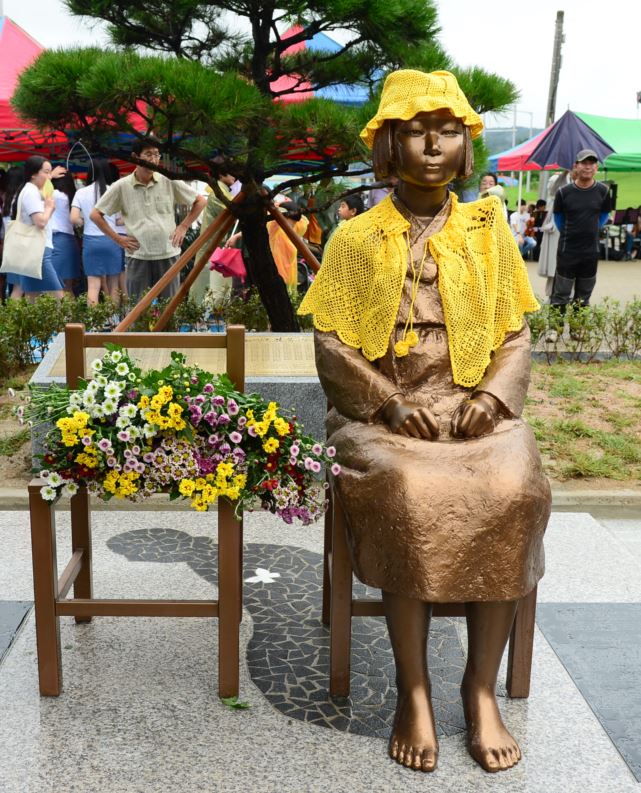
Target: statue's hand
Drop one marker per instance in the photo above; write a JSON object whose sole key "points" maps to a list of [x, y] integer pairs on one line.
{"points": [[410, 419], [476, 416]]}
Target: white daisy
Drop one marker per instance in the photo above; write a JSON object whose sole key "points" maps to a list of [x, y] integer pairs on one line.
{"points": [[48, 493], [70, 489], [129, 410], [98, 412], [122, 369], [122, 422], [96, 366], [110, 406], [101, 380], [54, 479], [89, 399], [112, 390], [116, 355]]}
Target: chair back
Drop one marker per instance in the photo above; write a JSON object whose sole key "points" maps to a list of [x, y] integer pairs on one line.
{"points": [[77, 340]]}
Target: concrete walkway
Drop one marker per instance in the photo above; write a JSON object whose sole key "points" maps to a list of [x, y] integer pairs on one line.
{"points": [[617, 280]]}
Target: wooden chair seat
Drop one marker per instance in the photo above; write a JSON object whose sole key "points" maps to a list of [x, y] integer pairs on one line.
{"points": [[339, 607], [50, 591]]}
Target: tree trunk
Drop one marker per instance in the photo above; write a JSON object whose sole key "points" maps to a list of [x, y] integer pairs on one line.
{"points": [[262, 270]]}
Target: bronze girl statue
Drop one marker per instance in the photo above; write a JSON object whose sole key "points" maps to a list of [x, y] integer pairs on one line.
{"points": [[422, 349]]}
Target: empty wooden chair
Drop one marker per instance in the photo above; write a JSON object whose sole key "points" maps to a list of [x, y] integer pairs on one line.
{"points": [[50, 591]]}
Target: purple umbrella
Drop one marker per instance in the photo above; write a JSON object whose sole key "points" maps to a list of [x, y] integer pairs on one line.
{"points": [[566, 138]]}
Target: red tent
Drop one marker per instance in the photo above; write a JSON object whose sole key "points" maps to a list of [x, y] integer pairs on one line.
{"points": [[515, 159], [17, 141]]}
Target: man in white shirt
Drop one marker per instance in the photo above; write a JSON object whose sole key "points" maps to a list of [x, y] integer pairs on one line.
{"points": [[518, 225], [147, 202]]}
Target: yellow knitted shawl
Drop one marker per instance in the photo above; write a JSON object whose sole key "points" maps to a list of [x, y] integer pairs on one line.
{"points": [[483, 282]]}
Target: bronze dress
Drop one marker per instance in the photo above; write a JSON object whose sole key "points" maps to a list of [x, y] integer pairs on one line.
{"points": [[450, 520]]}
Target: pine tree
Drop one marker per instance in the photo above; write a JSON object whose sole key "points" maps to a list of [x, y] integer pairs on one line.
{"points": [[211, 96]]}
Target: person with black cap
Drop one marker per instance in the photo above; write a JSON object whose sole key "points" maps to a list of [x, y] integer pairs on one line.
{"points": [[580, 209]]}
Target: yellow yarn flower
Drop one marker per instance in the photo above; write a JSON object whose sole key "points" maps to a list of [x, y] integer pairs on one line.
{"points": [[401, 349], [411, 338]]}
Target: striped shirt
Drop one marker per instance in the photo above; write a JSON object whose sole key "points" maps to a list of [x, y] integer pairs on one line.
{"points": [[148, 211]]}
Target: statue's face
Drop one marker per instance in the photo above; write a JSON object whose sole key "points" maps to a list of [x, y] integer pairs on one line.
{"points": [[429, 148]]}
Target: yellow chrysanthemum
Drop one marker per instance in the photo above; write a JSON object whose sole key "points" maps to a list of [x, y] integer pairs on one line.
{"points": [[186, 487], [281, 426], [270, 445]]}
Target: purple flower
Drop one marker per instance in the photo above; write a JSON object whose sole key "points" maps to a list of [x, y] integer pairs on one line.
{"points": [[140, 468], [232, 407], [294, 451], [330, 451], [149, 457], [292, 461], [104, 444], [336, 469], [213, 440], [218, 400], [223, 418], [239, 455], [242, 420], [128, 453], [225, 448], [308, 463], [210, 418], [252, 431], [316, 466], [111, 461], [235, 437], [208, 388], [86, 441], [317, 448], [123, 436], [200, 399], [194, 379], [135, 449]]}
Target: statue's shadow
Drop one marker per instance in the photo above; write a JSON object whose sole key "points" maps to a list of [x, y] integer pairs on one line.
{"points": [[288, 654]]}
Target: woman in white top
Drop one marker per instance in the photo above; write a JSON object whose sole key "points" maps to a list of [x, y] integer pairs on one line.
{"points": [[36, 210], [101, 256], [66, 251], [13, 185]]}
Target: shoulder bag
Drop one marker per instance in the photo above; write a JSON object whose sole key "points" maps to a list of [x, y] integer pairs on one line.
{"points": [[24, 247]]}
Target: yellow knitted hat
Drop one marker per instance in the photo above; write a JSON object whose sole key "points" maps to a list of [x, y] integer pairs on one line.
{"points": [[408, 92]]}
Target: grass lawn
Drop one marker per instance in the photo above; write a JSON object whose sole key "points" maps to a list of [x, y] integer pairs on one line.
{"points": [[586, 419]]}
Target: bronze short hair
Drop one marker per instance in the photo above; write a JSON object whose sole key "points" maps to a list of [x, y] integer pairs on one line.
{"points": [[383, 153]]}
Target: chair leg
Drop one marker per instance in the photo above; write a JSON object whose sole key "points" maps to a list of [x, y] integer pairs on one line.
{"points": [[81, 538], [327, 550], [230, 549], [519, 663], [340, 626], [45, 593]]}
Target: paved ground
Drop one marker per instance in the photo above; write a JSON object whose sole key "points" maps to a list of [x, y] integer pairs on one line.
{"points": [[139, 711], [618, 280]]}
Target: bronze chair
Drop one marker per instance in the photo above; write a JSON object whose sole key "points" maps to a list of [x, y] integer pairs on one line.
{"points": [[50, 592], [339, 607]]}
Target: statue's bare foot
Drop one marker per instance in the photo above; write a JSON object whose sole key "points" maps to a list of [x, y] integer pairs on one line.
{"points": [[488, 740], [413, 742]]}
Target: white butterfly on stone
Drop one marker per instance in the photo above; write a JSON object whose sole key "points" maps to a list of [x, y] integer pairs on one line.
{"points": [[262, 577]]}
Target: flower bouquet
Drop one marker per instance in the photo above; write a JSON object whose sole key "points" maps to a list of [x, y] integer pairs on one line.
{"points": [[182, 431]]}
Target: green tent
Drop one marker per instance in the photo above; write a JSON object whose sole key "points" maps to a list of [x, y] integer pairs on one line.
{"points": [[624, 135]]}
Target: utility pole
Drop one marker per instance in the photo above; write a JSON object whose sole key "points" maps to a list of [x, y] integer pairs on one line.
{"points": [[555, 70]]}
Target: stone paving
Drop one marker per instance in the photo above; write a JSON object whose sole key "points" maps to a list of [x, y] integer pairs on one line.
{"points": [[139, 710]]}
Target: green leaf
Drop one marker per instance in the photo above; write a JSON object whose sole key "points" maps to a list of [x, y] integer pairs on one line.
{"points": [[234, 704]]}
